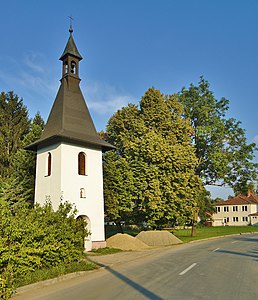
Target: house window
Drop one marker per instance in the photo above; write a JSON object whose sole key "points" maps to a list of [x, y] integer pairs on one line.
{"points": [[226, 220], [218, 209], [244, 208], [235, 219], [81, 163], [48, 164], [225, 208], [245, 219], [235, 208]]}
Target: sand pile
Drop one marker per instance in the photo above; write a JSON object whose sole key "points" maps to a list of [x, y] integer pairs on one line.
{"points": [[125, 242], [158, 238]]}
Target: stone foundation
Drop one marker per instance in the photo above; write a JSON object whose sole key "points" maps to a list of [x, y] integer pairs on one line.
{"points": [[99, 244]]}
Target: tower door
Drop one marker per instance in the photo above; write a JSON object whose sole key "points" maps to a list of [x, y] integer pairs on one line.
{"points": [[87, 241]]}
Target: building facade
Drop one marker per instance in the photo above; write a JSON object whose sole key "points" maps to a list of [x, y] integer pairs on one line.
{"points": [[238, 211]]}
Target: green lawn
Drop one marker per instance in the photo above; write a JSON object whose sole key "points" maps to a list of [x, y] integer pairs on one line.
{"points": [[207, 232], [44, 274]]}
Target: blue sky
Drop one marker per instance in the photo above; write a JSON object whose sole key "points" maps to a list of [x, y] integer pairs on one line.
{"points": [[129, 46]]}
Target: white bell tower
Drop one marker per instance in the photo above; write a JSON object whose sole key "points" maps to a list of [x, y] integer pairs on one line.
{"points": [[69, 152]]}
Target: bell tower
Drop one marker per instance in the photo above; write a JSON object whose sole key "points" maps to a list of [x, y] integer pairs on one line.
{"points": [[70, 58], [69, 152]]}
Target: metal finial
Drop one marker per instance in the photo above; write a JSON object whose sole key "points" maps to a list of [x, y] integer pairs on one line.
{"points": [[71, 27]]}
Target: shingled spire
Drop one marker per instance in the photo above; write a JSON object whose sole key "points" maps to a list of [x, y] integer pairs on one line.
{"points": [[70, 48], [69, 119]]}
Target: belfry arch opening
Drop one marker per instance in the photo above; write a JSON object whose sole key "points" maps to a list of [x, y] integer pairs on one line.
{"points": [[74, 67]]}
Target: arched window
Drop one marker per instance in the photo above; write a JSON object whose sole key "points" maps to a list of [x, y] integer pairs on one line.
{"points": [[81, 163], [49, 163], [66, 67], [73, 67]]}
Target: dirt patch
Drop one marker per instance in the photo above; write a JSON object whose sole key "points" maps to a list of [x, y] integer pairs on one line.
{"points": [[125, 242], [158, 238]]}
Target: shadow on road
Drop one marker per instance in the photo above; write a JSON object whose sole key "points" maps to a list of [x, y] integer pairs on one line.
{"points": [[253, 255], [148, 294], [246, 239]]}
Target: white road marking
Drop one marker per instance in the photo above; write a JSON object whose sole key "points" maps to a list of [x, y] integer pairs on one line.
{"points": [[188, 269], [234, 242], [215, 250]]}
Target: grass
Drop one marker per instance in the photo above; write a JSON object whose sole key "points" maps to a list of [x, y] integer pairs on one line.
{"points": [[207, 232], [49, 273], [104, 251], [44, 274]]}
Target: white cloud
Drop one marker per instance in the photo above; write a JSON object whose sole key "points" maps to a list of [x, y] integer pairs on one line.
{"points": [[28, 75], [104, 99], [32, 61], [31, 79], [34, 80]]}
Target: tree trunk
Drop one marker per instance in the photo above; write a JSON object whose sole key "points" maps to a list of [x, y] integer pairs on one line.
{"points": [[119, 227]]}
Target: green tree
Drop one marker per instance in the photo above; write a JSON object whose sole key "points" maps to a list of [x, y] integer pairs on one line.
{"points": [[20, 185], [220, 144], [206, 206], [150, 177], [14, 125], [244, 188]]}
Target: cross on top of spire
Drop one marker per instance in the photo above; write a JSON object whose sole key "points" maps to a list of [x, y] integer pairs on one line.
{"points": [[71, 23]]}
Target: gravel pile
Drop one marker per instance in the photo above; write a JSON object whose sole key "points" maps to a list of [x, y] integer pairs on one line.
{"points": [[125, 242], [158, 238]]}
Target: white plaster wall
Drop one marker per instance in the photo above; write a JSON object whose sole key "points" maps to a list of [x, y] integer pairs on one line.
{"points": [[254, 220], [217, 217], [48, 187], [65, 183], [92, 205]]}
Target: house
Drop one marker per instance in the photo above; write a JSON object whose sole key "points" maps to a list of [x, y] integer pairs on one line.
{"points": [[238, 211], [69, 152]]}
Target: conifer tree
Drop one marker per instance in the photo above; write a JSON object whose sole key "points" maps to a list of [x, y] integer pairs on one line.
{"points": [[14, 125], [17, 166]]}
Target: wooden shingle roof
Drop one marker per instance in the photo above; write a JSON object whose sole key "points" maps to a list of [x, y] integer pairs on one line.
{"points": [[70, 120]]}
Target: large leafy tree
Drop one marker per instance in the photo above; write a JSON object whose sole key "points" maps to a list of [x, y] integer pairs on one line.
{"points": [[224, 156], [151, 176]]}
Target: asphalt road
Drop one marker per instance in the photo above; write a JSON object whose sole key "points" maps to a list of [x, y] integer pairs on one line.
{"points": [[224, 269]]}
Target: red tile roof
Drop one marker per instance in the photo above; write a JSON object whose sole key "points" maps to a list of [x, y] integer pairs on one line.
{"points": [[240, 199], [254, 214]]}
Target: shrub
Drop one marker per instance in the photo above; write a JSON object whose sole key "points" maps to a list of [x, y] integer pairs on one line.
{"points": [[31, 239]]}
